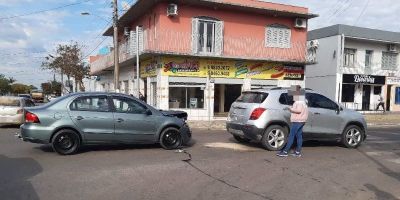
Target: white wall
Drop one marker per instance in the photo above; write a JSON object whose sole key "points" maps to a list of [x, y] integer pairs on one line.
{"points": [[322, 76], [376, 67]]}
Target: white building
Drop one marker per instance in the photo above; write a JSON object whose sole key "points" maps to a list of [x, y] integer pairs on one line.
{"points": [[355, 65]]}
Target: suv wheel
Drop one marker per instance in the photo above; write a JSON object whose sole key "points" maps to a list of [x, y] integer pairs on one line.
{"points": [[274, 138], [66, 142], [352, 136], [171, 138], [241, 139]]}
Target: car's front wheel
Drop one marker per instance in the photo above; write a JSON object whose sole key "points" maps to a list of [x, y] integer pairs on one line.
{"points": [[171, 138], [352, 136], [274, 138], [66, 142]]}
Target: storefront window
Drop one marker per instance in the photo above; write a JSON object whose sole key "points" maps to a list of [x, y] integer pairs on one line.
{"points": [[348, 92], [186, 97], [397, 95], [377, 90]]}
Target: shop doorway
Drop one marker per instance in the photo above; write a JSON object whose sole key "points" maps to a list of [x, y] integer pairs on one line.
{"points": [[366, 98], [388, 95], [224, 96]]}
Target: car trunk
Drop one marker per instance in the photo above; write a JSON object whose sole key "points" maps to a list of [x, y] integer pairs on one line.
{"points": [[242, 108], [8, 110]]}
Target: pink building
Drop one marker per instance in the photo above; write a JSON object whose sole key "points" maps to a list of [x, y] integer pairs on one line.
{"points": [[198, 55]]}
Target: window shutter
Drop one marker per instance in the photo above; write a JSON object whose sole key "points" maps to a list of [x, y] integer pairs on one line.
{"points": [[278, 37], [219, 37], [133, 43], [140, 39], [195, 35]]}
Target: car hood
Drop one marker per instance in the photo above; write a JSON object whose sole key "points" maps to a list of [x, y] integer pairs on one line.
{"points": [[175, 113]]}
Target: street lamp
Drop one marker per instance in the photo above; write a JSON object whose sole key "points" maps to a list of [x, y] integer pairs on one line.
{"points": [[115, 41], [88, 13]]}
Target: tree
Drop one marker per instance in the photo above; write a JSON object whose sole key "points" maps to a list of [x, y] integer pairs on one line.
{"points": [[52, 87], [5, 84], [68, 61], [46, 87], [18, 88]]}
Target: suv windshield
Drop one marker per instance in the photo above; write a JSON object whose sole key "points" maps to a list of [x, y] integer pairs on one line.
{"points": [[252, 97]]}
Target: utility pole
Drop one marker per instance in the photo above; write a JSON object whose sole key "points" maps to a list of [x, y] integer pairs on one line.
{"points": [[137, 63], [116, 49]]}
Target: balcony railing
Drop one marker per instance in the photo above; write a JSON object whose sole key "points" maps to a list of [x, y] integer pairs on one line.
{"points": [[180, 43]]}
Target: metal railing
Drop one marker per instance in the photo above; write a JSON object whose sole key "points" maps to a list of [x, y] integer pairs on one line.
{"points": [[180, 43]]}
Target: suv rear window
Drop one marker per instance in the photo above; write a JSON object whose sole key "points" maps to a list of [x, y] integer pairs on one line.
{"points": [[9, 102], [252, 97]]}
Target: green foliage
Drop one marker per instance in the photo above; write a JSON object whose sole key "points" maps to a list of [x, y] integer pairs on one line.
{"points": [[52, 87], [18, 88], [5, 84]]}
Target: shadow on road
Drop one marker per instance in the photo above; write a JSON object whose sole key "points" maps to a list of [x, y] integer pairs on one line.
{"points": [[9, 126], [380, 195], [112, 147], [14, 178]]}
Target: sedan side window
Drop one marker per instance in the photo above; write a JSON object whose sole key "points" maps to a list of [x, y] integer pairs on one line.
{"points": [[94, 104], [319, 101], [126, 105]]}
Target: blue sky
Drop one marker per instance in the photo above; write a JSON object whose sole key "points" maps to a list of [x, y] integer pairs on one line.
{"points": [[24, 41]]}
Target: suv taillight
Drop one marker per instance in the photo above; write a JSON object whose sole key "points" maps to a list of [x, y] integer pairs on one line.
{"points": [[257, 113], [31, 118]]}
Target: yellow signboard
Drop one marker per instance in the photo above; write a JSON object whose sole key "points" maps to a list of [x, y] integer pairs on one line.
{"points": [[149, 68], [216, 68]]}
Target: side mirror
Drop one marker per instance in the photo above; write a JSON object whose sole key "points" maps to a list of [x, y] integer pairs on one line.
{"points": [[148, 112], [338, 109]]}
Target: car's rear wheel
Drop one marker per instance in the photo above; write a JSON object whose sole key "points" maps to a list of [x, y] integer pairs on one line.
{"points": [[352, 136], [274, 138], [171, 138], [241, 139], [66, 142]]}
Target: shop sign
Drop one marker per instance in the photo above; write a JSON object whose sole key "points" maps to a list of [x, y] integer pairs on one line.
{"points": [[197, 67], [149, 68], [393, 80], [365, 79]]}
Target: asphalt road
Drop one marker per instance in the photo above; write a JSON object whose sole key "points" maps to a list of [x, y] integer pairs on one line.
{"points": [[219, 169]]}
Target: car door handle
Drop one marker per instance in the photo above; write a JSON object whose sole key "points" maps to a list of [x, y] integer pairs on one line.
{"points": [[79, 118], [120, 120], [317, 113]]}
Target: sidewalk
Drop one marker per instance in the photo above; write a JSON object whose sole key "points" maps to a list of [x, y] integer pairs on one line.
{"points": [[375, 119]]}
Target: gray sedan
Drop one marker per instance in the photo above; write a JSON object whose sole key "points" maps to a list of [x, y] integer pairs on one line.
{"points": [[103, 118]]}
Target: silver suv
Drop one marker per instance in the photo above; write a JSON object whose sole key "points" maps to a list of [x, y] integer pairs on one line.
{"points": [[259, 116]]}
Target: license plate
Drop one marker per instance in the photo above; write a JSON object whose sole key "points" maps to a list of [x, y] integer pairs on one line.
{"points": [[236, 132]]}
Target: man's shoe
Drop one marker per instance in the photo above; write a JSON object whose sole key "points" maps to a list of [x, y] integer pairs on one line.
{"points": [[282, 154], [296, 154]]}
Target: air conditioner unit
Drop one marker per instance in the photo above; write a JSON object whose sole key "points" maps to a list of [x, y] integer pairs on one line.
{"points": [[172, 10], [300, 23], [126, 31], [392, 47]]}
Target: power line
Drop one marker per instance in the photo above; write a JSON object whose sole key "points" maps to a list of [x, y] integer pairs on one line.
{"points": [[46, 10], [362, 12]]}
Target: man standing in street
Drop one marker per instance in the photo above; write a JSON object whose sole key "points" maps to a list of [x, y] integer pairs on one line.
{"points": [[299, 116], [380, 103]]}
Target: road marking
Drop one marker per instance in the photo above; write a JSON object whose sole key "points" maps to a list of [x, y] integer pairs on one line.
{"points": [[228, 145], [397, 161], [379, 153], [382, 142]]}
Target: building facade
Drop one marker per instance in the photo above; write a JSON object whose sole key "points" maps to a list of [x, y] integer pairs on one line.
{"points": [[355, 66], [198, 55]]}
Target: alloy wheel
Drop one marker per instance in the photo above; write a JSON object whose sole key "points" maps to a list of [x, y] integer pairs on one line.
{"points": [[276, 138], [353, 137]]}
